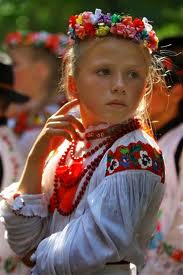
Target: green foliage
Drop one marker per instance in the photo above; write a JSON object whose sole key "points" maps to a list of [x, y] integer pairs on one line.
{"points": [[52, 15]]}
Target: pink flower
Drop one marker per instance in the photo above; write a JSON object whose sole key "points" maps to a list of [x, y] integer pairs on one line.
{"points": [[86, 16], [119, 28], [130, 31], [80, 31]]}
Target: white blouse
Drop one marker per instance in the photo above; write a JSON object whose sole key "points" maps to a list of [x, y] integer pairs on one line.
{"points": [[113, 221]]}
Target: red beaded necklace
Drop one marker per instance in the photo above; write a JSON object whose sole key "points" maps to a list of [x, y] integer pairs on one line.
{"points": [[67, 178]]}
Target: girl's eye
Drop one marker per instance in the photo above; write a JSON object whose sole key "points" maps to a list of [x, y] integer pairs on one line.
{"points": [[102, 72], [133, 75]]}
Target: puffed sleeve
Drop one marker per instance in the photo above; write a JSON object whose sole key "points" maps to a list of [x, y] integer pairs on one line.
{"points": [[121, 211], [25, 219]]}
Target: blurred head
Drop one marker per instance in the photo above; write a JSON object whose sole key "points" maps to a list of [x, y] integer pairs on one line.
{"points": [[108, 70], [36, 63], [167, 100]]}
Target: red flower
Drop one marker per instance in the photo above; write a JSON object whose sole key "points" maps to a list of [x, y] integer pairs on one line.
{"points": [[177, 255], [52, 42], [72, 20], [12, 38], [138, 24], [89, 28]]}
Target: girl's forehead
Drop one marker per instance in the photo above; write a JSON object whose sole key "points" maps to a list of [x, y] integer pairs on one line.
{"points": [[114, 49]]}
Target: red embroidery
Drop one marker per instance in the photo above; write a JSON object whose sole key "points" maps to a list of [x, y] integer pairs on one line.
{"points": [[135, 156]]}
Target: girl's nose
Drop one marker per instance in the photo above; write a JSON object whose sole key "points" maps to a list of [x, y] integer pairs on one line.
{"points": [[118, 85]]}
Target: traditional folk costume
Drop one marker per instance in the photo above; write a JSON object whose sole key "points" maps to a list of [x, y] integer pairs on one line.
{"points": [[98, 206], [165, 255]]}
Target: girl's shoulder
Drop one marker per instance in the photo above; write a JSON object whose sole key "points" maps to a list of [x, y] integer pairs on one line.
{"points": [[135, 151]]}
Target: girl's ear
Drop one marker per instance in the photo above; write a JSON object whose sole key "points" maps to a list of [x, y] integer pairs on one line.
{"points": [[72, 86]]}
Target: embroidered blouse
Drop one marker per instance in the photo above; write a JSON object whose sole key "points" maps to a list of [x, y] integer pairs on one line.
{"points": [[113, 221]]}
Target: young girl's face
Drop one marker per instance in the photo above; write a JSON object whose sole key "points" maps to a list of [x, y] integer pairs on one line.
{"points": [[110, 80]]}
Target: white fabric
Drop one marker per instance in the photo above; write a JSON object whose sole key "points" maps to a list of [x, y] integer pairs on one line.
{"points": [[172, 209], [12, 162], [113, 221]]}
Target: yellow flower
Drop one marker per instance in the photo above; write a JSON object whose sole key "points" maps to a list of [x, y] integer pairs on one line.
{"points": [[79, 19], [102, 31]]}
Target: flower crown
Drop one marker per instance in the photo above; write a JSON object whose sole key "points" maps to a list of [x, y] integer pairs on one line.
{"points": [[56, 43], [88, 24]]}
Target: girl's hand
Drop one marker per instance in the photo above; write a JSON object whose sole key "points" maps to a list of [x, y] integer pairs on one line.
{"points": [[58, 127]]}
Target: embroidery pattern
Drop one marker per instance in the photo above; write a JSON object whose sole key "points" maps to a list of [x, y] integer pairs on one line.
{"points": [[10, 265], [12, 158], [135, 156], [157, 243]]}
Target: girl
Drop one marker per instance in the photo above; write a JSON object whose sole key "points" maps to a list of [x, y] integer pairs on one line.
{"points": [[91, 207]]}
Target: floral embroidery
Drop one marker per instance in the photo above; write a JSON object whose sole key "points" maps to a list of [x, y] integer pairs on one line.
{"points": [[10, 264], [12, 158], [157, 243], [145, 161], [138, 156]]}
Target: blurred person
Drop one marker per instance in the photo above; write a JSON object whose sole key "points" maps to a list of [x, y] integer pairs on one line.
{"points": [[165, 254], [11, 161], [36, 60]]}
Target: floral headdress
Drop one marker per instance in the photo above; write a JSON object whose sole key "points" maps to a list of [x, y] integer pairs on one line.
{"points": [[88, 24], [56, 43]]}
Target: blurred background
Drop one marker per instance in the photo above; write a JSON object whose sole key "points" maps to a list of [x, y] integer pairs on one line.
{"points": [[52, 16]]}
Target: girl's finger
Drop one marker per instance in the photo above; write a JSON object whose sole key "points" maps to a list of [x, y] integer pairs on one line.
{"points": [[68, 106], [58, 133], [64, 126], [68, 118]]}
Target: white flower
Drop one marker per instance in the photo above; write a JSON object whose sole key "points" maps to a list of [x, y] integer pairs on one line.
{"points": [[94, 17], [42, 36], [148, 26], [145, 161], [113, 165]]}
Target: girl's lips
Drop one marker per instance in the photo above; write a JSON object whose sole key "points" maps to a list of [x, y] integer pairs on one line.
{"points": [[116, 103]]}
